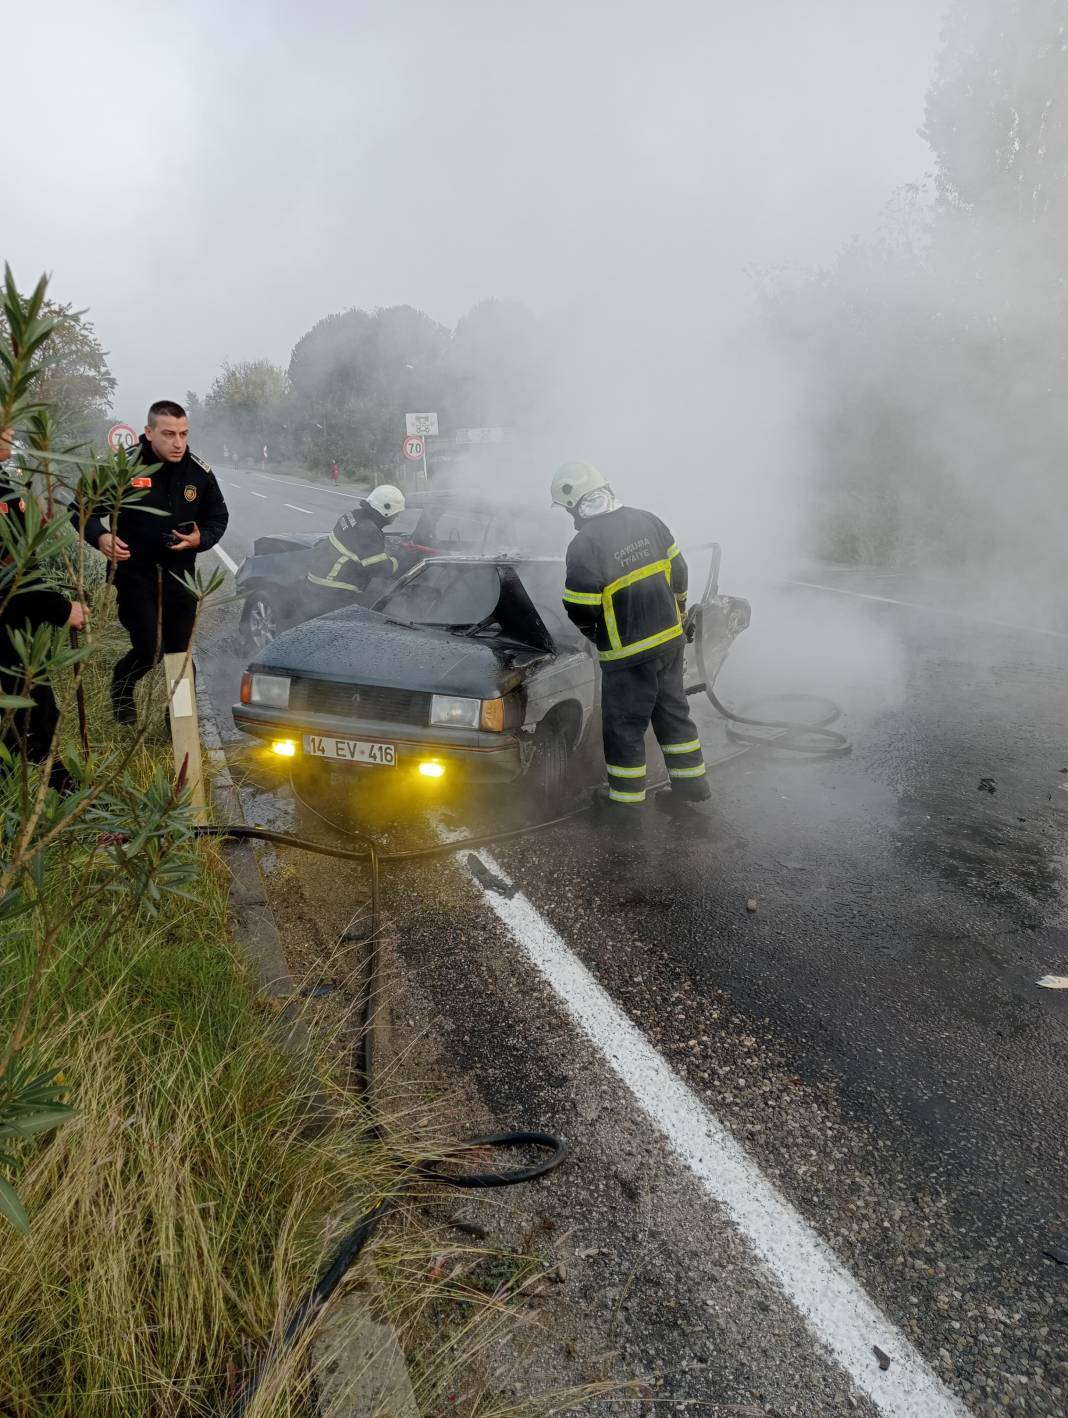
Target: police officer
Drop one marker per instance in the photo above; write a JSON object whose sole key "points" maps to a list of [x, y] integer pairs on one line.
{"points": [[148, 551], [29, 731], [626, 591], [353, 559]]}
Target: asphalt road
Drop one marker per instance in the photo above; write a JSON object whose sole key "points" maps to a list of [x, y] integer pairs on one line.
{"points": [[872, 1033]]}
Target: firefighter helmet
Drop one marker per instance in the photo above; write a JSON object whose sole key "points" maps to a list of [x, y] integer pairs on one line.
{"points": [[573, 481], [386, 500]]}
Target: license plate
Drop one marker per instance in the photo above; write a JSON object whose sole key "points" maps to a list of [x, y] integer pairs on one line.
{"points": [[351, 750]]}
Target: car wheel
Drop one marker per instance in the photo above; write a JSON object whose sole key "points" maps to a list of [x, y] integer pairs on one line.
{"points": [[259, 621], [549, 775]]}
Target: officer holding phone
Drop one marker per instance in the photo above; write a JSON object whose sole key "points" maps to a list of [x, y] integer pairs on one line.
{"points": [[149, 553]]}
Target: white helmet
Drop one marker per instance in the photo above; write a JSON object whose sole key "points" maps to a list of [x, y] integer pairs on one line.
{"points": [[386, 500], [573, 481]]}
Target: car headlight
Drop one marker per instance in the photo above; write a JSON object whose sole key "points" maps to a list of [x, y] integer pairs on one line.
{"points": [[269, 690], [460, 713]]}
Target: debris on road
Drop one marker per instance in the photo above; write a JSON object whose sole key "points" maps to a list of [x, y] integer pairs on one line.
{"points": [[1053, 982], [751, 904], [488, 879], [884, 1359], [988, 785], [1057, 1253]]}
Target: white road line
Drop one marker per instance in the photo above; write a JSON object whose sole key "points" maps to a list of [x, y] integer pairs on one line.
{"points": [[227, 561], [252, 493], [835, 1307], [353, 496], [243, 487], [933, 610], [293, 508]]}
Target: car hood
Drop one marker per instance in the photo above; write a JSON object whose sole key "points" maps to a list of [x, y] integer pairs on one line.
{"points": [[359, 646]]}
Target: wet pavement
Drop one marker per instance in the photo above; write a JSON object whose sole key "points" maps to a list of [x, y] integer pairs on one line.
{"points": [[872, 1032]]}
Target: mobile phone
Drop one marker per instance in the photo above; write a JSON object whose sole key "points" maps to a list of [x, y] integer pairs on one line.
{"points": [[182, 527]]}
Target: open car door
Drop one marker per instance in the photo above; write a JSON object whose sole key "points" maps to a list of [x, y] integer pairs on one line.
{"points": [[718, 621]]}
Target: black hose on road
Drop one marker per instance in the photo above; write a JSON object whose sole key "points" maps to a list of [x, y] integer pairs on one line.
{"points": [[426, 1168], [797, 737]]}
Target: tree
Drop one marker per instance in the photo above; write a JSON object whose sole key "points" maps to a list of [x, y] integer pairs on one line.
{"points": [[247, 405], [498, 368], [995, 116], [74, 380], [938, 366], [355, 374]]}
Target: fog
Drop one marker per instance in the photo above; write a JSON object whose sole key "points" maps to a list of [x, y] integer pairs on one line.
{"points": [[213, 180]]}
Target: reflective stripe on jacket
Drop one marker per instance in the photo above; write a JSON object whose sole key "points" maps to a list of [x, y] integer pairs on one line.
{"points": [[353, 556], [626, 585]]}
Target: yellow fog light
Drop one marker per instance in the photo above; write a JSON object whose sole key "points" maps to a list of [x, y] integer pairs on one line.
{"points": [[429, 768], [285, 748]]}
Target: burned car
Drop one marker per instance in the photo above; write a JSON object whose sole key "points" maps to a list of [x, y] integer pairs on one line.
{"points": [[466, 668], [273, 580]]}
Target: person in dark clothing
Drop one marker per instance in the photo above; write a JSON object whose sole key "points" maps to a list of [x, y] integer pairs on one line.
{"points": [[626, 591], [28, 731], [353, 561], [149, 551]]}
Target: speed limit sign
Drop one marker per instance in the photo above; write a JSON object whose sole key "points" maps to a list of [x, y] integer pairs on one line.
{"points": [[414, 449], [121, 436]]}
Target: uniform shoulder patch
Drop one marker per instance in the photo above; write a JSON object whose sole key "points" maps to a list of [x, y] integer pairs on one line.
{"points": [[200, 462]]}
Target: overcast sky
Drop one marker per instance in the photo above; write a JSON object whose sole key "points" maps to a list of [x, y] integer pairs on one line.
{"points": [[210, 179]]}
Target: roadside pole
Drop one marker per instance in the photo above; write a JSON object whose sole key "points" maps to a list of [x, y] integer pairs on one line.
{"points": [[185, 728]]}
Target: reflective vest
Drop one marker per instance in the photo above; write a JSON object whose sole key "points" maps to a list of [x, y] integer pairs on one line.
{"points": [[353, 556], [626, 585]]}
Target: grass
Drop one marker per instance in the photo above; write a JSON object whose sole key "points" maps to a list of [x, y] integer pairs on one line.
{"points": [[180, 1216]]}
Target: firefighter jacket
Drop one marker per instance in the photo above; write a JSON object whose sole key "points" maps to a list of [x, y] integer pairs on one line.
{"points": [[626, 586], [353, 557], [184, 492]]}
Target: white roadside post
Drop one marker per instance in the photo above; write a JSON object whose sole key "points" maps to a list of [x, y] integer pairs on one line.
{"points": [[185, 728], [420, 426]]}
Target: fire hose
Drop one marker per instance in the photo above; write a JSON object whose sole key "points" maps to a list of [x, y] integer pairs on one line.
{"points": [[812, 737]]}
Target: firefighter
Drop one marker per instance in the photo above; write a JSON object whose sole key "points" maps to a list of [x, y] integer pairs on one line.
{"points": [[626, 591], [353, 559], [148, 551], [29, 731]]}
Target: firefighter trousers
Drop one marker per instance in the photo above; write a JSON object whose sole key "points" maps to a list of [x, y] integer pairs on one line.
{"points": [[633, 697]]}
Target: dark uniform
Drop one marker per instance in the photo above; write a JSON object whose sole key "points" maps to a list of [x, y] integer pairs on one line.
{"points": [[626, 591], [351, 561], [187, 492], [29, 731]]}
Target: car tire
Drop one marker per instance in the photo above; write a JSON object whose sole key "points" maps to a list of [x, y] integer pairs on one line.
{"points": [[259, 621], [549, 769]]}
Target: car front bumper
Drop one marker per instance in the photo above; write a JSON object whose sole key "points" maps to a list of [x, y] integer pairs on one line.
{"points": [[469, 754]]}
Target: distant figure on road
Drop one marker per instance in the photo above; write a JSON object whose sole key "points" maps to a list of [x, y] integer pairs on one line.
{"points": [[265, 455], [155, 609], [335, 472], [29, 731]]}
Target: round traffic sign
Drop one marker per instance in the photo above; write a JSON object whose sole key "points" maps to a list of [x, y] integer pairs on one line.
{"points": [[413, 449], [121, 436]]}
